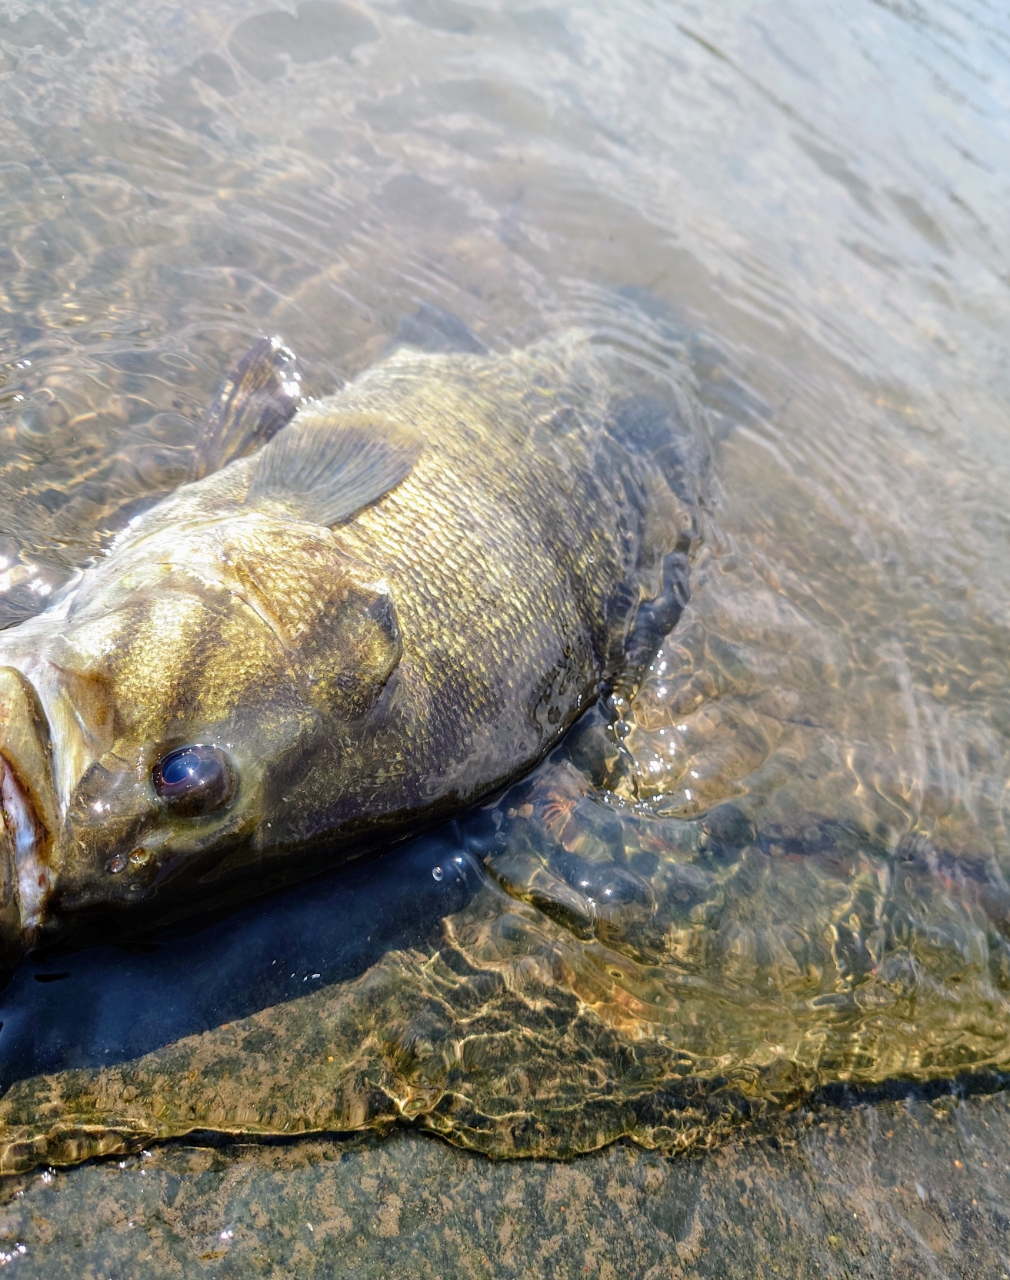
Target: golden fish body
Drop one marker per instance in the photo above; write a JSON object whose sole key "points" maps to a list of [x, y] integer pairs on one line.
{"points": [[340, 682]]}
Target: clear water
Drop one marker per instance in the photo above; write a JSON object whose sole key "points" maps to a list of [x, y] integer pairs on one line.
{"points": [[787, 866]]}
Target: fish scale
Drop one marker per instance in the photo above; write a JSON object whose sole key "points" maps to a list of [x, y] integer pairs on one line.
{"points": [[361, 622]]}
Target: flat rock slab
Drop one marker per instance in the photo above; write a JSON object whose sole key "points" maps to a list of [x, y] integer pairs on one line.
{"points": [[901, 1189]]}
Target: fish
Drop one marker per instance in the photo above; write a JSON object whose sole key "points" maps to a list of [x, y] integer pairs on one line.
{"points": [[361, 615]]}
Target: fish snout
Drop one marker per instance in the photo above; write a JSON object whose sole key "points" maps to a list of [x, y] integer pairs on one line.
{"points": [[13, 942], [28, 816]]}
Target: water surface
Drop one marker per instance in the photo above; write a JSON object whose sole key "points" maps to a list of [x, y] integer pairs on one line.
{"points": [[780, 865]]}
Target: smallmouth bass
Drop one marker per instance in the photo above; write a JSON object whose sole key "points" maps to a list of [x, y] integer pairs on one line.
{"points": [[361, 615]]}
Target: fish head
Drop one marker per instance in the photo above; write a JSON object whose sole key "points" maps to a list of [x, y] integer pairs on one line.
{"points": [[160, 724]]}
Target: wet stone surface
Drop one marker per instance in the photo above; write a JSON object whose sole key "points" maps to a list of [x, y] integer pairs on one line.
{"points": [[899, 1189]]}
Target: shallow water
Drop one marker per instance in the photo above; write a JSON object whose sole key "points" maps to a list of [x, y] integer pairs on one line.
{"points": [[782, 864]]}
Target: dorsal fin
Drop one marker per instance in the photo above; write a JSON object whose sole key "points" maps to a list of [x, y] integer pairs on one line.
{"points": [[432, 329], [259, 396], [324, 466]]}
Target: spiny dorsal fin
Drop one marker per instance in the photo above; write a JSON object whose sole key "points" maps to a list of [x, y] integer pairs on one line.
{"points": [[324, 466], [260, 395], [432, 329]]}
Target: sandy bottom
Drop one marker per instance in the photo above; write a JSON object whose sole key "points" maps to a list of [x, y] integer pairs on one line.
{"points": [[902, 1189]]}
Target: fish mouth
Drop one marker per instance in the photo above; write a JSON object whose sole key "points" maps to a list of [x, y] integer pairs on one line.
{"points": [[27, 815], [30, 879]]}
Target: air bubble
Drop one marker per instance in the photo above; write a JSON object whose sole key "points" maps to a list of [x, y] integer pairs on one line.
{"points": [[437, 873]]}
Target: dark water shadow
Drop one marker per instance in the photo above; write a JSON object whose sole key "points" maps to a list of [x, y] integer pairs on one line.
{"points": [[109, 1004]]}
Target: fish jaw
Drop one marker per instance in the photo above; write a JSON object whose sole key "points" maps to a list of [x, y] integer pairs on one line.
{"points": [[13, 945], [28, 816], [21, 833]]}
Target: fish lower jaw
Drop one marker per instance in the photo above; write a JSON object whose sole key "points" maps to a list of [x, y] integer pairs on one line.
{"points": [[31, 873]]}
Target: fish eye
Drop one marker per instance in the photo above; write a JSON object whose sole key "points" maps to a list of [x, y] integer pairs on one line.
{"points": [[194, 780]]}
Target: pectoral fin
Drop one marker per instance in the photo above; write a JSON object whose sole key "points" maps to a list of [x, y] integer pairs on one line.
{"points": [[324, 466], [260, 395]]}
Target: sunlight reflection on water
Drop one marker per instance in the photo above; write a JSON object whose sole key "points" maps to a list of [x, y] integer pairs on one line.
{"points": [[783, 860]]}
